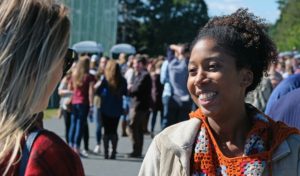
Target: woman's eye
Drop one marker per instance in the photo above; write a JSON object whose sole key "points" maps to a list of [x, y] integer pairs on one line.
{"points": [[213, 67], [192, 71]]}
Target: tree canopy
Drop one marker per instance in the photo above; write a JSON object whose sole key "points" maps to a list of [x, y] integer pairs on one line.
{"points": [[286, 31], [152, 25]]}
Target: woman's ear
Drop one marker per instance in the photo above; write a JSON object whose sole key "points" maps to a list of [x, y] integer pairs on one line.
{"points": [[246, 77]]}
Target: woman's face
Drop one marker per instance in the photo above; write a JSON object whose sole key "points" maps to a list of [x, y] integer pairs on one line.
{"points": [[214, 83], [56, 75], [103, 62]]}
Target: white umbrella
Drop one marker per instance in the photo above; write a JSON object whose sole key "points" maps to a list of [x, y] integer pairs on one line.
{"points": [[88, 47], [123, 48], [297, 56], [285, 54]]}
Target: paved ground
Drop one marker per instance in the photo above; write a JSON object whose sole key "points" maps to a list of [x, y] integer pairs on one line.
{"points": [[96, 165]]}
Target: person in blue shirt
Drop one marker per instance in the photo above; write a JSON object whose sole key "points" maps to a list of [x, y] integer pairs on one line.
{"points": [[167, 90], [179, 103], [287, 109], [290, 83], [111, 90]]}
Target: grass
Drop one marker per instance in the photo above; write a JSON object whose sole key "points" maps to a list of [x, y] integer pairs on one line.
{"points": [[50, 113]]}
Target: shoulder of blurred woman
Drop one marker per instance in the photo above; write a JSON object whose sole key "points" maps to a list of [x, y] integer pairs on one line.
{"points": [[51, 154]]}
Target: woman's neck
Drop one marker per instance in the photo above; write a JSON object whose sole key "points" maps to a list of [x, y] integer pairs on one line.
{"points": [[231, 133]]}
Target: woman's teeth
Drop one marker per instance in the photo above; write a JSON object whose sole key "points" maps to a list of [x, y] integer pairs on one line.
{"points": [[207, 95]]}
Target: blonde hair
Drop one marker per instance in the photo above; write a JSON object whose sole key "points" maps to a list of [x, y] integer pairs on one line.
{"points": [[80, 70], [34, 37], [113, 76]]}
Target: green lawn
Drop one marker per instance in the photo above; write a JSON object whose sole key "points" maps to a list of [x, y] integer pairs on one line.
{"points": [[49, 113]]}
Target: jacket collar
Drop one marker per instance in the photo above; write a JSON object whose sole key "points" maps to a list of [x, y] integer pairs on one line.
{"points": [[179, 140], [282, 151], [184, 135]]}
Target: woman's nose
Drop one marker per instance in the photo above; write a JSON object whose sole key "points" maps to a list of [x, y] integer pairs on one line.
{"points": [[201, 78]]}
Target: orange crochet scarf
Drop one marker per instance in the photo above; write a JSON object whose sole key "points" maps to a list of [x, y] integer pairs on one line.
{"points": [[264, 137]]}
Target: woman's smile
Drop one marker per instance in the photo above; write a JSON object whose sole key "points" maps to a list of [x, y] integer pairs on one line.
{"points": [[207, 98]]}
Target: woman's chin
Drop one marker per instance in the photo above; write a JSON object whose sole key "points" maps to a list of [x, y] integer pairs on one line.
{"points": [[208, 111]]}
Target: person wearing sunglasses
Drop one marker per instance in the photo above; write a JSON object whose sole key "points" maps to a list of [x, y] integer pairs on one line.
{"points": [[70, 58], [34, 37]]}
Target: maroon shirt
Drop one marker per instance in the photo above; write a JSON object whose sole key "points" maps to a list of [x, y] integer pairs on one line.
{"points": [[50, 155], [81, 94]]}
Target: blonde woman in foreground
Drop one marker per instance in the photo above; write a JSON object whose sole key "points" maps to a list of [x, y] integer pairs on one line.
{"points": [[34, 36]]}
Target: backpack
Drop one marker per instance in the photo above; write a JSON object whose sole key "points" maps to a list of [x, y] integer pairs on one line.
{"points": [[26, 150]]}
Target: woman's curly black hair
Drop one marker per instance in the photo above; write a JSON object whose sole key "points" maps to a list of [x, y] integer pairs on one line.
{"points": [[243, 35]]}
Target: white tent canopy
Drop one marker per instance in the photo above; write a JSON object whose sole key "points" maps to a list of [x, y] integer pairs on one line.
{"points": [[123, 48], [88, 47]]}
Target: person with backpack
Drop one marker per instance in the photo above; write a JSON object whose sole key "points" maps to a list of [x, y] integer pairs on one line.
{"points": [[34, 56]]}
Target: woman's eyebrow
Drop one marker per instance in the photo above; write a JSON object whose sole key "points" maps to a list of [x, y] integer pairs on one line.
{"points": [[208, 59]]}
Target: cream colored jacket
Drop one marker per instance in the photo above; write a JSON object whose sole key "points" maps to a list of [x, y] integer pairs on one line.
{"points": [[170, 151]]}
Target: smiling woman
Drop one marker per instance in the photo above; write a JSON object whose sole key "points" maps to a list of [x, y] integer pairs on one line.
{"points": [[226, 136], [215, 84]]}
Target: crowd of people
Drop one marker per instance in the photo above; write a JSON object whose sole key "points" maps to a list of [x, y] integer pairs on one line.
{"points": [[282, 77], [133, 89]]}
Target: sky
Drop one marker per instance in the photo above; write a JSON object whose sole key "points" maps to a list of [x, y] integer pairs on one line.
{"points": [[267, 9]]}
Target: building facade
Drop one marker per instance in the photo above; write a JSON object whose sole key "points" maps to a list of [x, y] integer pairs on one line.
{"points": [[94, 20], [91, 20]]}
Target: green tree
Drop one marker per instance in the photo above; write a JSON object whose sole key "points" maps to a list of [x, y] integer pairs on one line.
{"points": [[154, 24], [281, 3], [286, 31]]}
